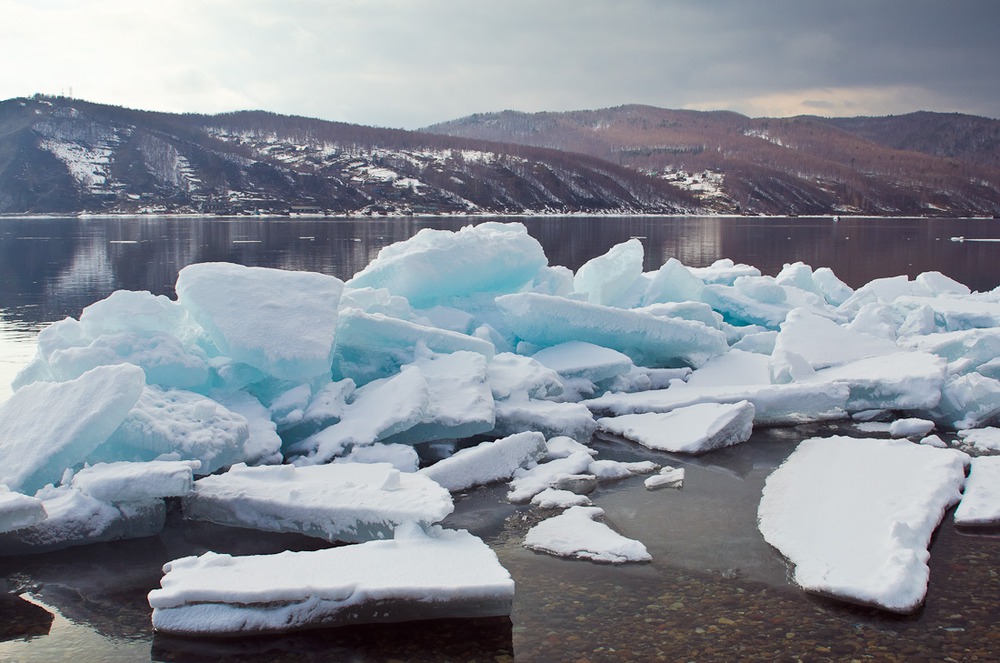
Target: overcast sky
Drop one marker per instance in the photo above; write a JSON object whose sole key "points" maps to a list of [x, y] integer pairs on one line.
{"points": [[410, 63]]}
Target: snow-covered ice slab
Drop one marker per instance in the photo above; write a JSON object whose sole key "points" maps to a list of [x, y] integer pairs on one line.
{"points": [[48, 427], [459, 399], [981, 440], [823, 343], [348, 502], [516, 377], [576, 359], [968, 401], [899, 381], [185, 423], [647, 339], [855, 516], [380, 409], [18, 510], [576, 533], [980, 505], [668, 477], [415, 576], [373, 345], [129, 482], [774, 404], [289, 329], [547, 417], [693, 429], [487, 462], [956, 313], [528, 482], [76, 519], [435, 266]]}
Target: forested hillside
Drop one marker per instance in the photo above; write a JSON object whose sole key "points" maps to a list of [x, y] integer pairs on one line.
{"points": [[919, 164], [61, 155]]}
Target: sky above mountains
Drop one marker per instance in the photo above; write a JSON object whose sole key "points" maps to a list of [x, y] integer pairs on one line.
{"points": [[410, 63]]}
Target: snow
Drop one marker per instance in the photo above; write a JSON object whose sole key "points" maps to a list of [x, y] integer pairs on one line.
{"points": [[349, 502], [577, 534], [982, 439], [693, 429], [577, 359], [774, 404], [75, 518], [855, 516], [911, 427], [668, 477], [529, 482], [980, 505], [190, 425], [554, 498], [416, 575], [131, 482], [73, 418], [488, 462], [18, 510]]}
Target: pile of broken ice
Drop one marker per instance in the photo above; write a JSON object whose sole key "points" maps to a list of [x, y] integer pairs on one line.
{"points": [[300, 400]]}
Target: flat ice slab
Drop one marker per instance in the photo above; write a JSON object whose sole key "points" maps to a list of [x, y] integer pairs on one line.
{"points": [[855, 516], [416, 576], [17, 510], [775, 404], [694, 429], [575, 533], [76, 519], [350, 502], [980, 504], [493, 460]]}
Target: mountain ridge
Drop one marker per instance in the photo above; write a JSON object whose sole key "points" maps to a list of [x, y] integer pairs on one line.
{"points": [[61, 155], [798, 165]]}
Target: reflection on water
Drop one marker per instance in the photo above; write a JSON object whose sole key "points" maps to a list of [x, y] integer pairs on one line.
{"points": [[51, 268]]}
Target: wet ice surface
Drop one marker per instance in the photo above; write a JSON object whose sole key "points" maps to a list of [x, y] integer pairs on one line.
{"points": [[714, 586]]}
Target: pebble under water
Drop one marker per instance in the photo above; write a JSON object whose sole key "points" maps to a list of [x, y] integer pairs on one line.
{"points": [[713, 592]]}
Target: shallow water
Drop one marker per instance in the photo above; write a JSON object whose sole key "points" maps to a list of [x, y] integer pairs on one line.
{"points": [[714, 590]]}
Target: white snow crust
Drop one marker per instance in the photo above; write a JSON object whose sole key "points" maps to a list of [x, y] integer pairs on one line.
{"points": [[855, 516], [416, 575]]}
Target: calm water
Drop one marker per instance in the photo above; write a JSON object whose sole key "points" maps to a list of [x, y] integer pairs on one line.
{"points": [[715, 590]]}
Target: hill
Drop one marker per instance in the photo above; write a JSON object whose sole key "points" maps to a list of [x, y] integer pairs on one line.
{"points": [[60, 155], [917, 164]]}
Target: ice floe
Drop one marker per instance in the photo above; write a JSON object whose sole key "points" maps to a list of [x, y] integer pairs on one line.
{"points": [[576, 533], [415, 576], [692, 429], [980, 503], [855, 516], [347, 502]]}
